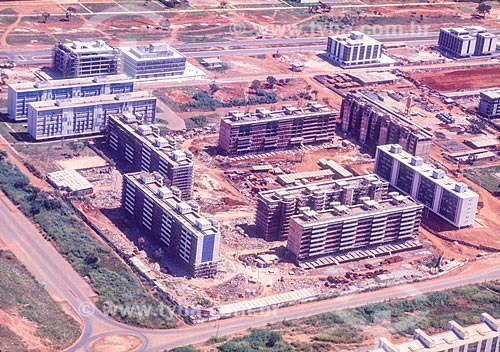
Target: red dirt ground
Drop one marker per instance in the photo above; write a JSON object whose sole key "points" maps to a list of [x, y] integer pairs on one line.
{"points": [[455, 80]]}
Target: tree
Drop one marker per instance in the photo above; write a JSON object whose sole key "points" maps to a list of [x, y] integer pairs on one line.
{"points": [[255, 84], [483, 8], [141, 241], [158, 254], [3, 154], [271, 81], [315, 93], [45, 16], [476, 125], [213, 87]]}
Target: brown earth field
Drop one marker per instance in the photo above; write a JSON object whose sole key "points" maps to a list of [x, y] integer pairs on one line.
{"points": [[456, 80]]}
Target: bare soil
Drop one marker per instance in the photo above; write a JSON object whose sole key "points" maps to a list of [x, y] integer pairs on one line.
{"points": [[456, 80]]}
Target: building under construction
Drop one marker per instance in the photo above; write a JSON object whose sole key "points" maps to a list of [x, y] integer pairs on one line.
{"points": [[314, 234], [142, 146], [84, 59], [276, 207], [266, 131], [372, 124], [191, 238]]}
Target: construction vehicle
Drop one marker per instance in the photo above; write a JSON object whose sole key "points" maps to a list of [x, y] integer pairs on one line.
{"points": [[321, 8]]}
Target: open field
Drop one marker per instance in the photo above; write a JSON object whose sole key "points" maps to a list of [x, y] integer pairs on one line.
{"points": [[456, 80], [29, 318], [488, 178]]}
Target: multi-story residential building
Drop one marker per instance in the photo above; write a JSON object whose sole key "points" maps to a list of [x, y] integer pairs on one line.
{"points": [[354, 49], [21, 94], [342, 228], [482, 337], [85, 59], [489, 105], [372, 124], [453, 201], [187, 235], [265, 131], [276, 207], [155, 60], [142, 147], [88, 115], [467, 41]]}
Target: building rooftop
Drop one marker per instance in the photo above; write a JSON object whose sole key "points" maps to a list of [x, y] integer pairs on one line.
{"points": [[185, 213], [84, 101], [146, 133], [482, 141], [151, 52], [336, 168], [455, 337], [373, 77], [288, 111], [296, 191], [88, 47], [493, 94], [368, 206], [69, 180], [426, 170], [71, 82], [355, 38]]}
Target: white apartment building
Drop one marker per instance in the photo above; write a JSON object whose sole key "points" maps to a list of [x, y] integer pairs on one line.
{"points": [[467, 41], [453, 201]]}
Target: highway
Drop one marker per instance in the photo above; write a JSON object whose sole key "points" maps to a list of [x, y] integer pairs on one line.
{"points": [[19, 235]]}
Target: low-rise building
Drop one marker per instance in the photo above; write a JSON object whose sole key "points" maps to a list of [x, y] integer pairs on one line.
{"points": [[87, 115], [266, 131], [276, 207], [482, 337], [85, 59], [467, 41], [343, 228], [153, 61], [190, 237], [451, 200], [489, 104], [142, 147], [354, 49], [21, 94]]}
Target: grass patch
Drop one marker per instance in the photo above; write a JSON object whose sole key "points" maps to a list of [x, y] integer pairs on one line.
{"points": [[29, 39], [115, 283], [23, 294], [486, 178]]}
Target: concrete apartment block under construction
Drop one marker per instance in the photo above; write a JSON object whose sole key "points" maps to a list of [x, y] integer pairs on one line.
{"points": [[78, 117], [190, 237], [451, 200], [276, 207], [481, 337], [21, 94], [314, 234], [372, 124], [85, 59], [142, 146], [266, 131]]}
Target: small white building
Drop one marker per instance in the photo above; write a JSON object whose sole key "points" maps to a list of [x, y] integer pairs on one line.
{"points": [[155, 60], [489, 105], [467, 41], [355, 48]]}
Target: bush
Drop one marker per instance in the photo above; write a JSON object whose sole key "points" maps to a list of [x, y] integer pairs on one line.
{"points": [[110, 278]]}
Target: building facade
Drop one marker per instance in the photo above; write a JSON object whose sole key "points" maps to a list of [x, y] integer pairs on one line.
{"points": [[85, 59], [467, 41], [275, 208], [155, 60], [452, 201], [266, 131], [142, 147], [482, 337], [314, 234], [489, 104], [192, 239], [21, 94], [372, 124], [354, 49], [83, 116]]}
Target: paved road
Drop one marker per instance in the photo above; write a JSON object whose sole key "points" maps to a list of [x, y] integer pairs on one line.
{"points": [[21, 236]]}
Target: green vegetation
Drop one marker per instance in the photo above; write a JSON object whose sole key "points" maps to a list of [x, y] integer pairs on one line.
{"points": [[488, 178], [110, 277], [22, 294], [205, 101], [185, 349], [258, 340], [196, 122]]}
